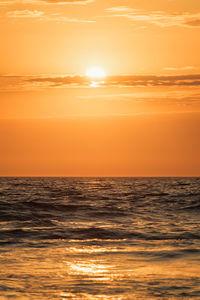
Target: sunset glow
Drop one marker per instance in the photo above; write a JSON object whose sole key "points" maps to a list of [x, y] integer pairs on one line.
{"points": [[99, 149], [100, 88], [96, 73]]}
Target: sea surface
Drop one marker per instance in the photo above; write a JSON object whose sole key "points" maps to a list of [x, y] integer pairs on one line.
{"points": [[99, 238]]}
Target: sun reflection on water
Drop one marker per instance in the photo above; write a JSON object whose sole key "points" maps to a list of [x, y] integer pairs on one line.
{"points": [[84, 296], [58, 273], [90, 267]]}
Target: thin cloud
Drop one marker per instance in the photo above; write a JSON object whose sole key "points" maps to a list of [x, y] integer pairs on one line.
{"points": [[40, 15], [186, 68], [25, 83], [45, 82], [169, 97], [83, 2], [193, 23], [153, 80], [123, 80], [25, 14], [50, 2], [124, 9], [158, 18]]}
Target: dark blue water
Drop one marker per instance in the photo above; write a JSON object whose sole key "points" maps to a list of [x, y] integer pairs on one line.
{"points": [[100, 238]]}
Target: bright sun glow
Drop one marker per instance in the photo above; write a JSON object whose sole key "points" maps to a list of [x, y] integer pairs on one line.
{"points": [[95, 72]]}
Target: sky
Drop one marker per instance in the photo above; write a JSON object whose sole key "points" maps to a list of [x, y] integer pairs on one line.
{"points": [[141, 119]]}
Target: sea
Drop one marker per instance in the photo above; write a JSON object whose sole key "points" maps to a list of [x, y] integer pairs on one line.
{"points": [[99, 238]]}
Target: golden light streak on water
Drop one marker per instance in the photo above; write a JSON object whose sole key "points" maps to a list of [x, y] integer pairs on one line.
{"points": [[57, 273]]}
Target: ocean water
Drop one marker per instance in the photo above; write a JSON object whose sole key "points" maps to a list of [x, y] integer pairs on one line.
{"points": [[99, 238]]}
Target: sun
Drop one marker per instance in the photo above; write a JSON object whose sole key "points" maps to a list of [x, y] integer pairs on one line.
{"points": [[96, 72]]}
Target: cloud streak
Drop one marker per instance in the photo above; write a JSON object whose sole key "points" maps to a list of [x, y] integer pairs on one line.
{"points": [[41, 16], [155, 97], [186, 68], [83, 2], [49, 2], [158, 18], [8, 82], [25, 14]]}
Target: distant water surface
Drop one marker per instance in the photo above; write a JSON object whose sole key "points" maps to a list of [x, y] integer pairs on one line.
{"points": [[99, 238]]}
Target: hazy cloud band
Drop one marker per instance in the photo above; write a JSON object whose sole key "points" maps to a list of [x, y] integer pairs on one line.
{"points": [[9, 82]]}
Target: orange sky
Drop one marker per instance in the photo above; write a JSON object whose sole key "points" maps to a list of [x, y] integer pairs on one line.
{"points": [[142, 119]]}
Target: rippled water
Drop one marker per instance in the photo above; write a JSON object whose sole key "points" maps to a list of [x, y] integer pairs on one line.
{"points": [[99, 238]]}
